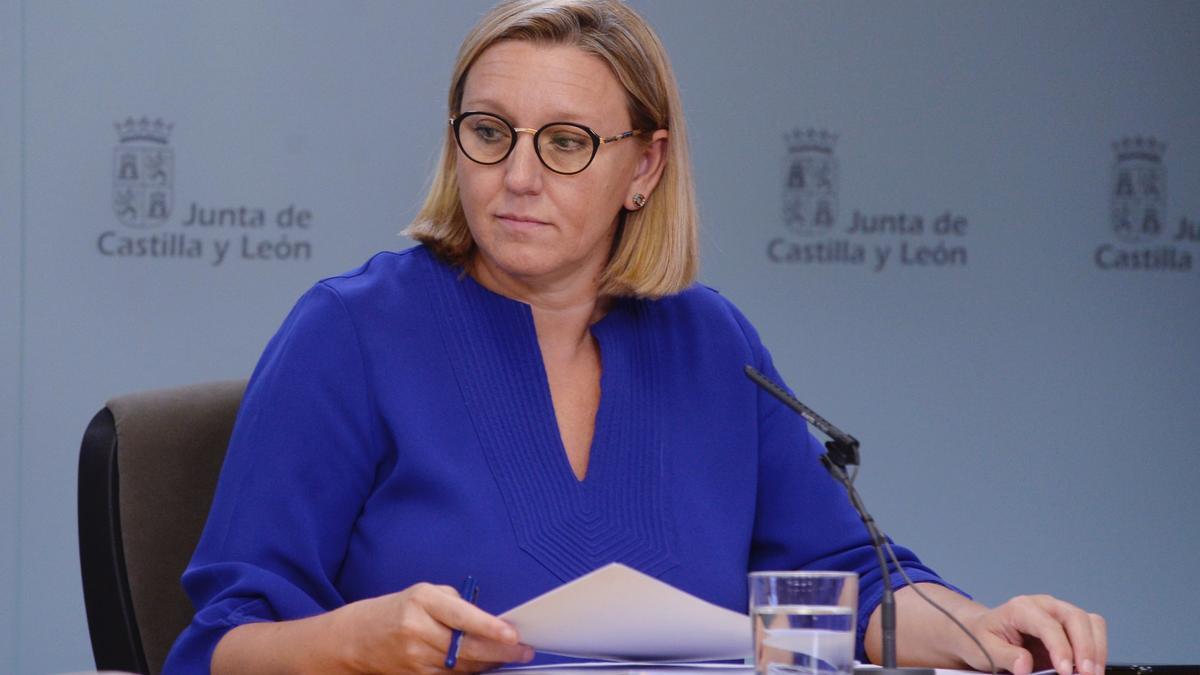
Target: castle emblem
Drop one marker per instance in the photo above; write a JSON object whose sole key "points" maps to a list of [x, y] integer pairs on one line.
{"points": [[810, 182], [143, 173], [1139, 189]]}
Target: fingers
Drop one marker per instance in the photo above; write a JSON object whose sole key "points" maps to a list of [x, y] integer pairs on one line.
{"points": [[1087, 633], [432, 659], [478, 655], [1022, 663], [1100, 639], [1078, 625], [1066, 635], [467, 665], [1072, 640], [451, 610], [1007, 656], [408, 632], [487, 641], [475, 648]]}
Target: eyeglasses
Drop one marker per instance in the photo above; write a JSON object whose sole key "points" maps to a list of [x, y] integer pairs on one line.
{"points": [[563, 147]]}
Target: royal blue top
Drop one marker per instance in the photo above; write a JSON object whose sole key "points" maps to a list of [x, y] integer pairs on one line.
{"points": [[399, 428]]}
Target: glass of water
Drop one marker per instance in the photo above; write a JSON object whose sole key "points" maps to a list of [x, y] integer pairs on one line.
{"points": [[803, 622]]}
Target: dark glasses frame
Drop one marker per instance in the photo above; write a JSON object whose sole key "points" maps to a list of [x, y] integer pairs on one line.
{"points": [[597, 140]]}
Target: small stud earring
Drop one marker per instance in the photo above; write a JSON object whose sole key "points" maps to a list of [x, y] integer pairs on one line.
{"points": [[639, 200]]}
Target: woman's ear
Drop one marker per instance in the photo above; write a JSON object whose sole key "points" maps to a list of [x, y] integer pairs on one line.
{"points": [[651, 162]]}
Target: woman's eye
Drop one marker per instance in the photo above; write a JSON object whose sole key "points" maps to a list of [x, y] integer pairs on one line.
{"points": [[489, 133], [567, 142]]}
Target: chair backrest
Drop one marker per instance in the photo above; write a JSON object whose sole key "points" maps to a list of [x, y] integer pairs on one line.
{"points": [[148, 468]]}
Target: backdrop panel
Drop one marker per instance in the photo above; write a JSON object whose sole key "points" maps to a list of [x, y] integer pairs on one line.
{"points": [[939, 216], [1018, 391], [193, 168], [10, 322]]}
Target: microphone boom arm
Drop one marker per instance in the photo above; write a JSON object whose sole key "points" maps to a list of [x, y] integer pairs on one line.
{"points": [[842, 451]]}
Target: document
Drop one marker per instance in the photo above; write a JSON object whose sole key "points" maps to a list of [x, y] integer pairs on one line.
{"points": [[630, 668], [957, 671], [621, 614], [677, 668]]}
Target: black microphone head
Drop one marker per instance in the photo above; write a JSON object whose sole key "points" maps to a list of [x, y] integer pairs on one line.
{"points": [[842, 454]]}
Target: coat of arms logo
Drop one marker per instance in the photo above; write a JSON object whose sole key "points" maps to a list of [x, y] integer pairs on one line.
{"points": [[811, 179], [143, 173], [1139, 189]]}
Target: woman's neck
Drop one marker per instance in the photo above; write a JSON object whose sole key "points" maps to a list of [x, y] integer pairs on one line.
{"points": [[563, 310]]}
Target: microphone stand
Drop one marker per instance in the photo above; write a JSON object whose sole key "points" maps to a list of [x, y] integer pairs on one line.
{"points": [[841, 451]]}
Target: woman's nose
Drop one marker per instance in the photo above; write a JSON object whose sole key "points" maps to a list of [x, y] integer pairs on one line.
{"points": [[523, 169]]}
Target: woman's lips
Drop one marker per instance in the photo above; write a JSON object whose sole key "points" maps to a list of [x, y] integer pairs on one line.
{"points": [[519, 222]]}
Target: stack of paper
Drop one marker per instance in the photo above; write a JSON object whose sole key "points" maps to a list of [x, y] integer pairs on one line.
{"points": [[619, 613]]}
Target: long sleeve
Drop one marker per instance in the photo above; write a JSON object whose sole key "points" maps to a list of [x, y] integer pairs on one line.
{"points": [[301, 462], [385, 439]]}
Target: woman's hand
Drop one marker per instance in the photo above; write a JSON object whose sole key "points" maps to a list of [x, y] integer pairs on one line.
{"points": [[405, 632], [409, 632], [1025, 633], [1036, 632]]}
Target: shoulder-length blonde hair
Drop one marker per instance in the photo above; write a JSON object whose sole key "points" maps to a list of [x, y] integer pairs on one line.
{"points": [[656, 251]]}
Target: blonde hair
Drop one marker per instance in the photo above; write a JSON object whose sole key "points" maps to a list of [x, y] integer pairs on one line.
{"points": [[656, 250]]}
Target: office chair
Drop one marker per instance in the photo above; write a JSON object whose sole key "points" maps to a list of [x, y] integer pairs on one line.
{"points": [[148, 468]]}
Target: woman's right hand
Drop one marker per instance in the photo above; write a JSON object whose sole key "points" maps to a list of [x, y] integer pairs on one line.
{"points": [[409, 632], [405, 632]]}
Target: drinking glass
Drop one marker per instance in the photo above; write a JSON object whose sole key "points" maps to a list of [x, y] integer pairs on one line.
{"points": [[803, 622]]}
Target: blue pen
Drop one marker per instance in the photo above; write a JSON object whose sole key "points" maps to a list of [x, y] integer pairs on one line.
{"points": [[469, 591]]}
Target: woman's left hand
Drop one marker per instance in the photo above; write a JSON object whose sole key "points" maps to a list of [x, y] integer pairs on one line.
{"points": [[1037, 632]]}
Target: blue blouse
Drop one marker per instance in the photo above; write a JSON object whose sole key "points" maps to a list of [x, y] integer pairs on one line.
{"points": [[399, 428]]}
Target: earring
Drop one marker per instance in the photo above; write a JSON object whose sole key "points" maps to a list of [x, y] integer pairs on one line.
{"points": [[639, 200]]}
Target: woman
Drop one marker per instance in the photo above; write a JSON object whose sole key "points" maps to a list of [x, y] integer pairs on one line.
{"points": [[536, 391]]}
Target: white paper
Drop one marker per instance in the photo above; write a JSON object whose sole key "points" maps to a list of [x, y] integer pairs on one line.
{"points": [[681, 668], [632, 668], [957, 671], [619, 613]]}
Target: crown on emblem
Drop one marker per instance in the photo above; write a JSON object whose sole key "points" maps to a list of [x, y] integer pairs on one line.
{"points": [[810, 140], [1139, 147], [144, 129]]}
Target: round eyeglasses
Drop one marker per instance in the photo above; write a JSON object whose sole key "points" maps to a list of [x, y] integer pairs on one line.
{"points": [[563, 147]]}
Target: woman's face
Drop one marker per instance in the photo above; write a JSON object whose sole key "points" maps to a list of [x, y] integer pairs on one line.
{"points": [[533, 226]]}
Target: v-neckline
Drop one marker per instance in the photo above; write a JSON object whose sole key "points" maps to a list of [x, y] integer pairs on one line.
{"points": [[619, 511], [547, 410]]}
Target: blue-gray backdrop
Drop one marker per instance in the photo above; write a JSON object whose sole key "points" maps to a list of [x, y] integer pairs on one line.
{"points": [[953, 223]]}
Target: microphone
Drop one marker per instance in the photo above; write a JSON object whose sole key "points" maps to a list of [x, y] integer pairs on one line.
{"points": [[842, 450], [842, 447]]}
